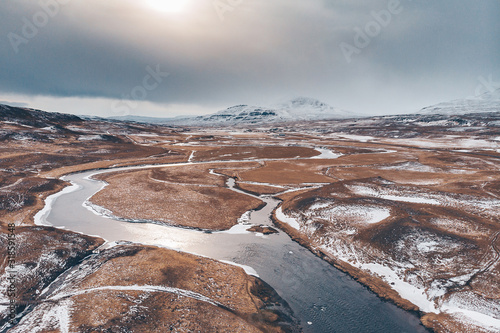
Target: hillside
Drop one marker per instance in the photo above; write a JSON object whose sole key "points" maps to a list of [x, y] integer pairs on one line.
{"points": [[487, 102]]}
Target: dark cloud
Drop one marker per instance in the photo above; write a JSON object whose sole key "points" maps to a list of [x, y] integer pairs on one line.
{"points": [[263, 50]]}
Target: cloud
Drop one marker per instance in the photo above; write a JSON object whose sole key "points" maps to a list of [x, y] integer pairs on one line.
{"points": [[260, 52]]}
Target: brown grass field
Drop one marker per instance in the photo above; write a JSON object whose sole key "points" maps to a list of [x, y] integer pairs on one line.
{"points": [[241, 306], [187, 196]]}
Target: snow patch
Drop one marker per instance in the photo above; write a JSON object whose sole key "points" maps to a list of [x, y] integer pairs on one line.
{"points": [[359, 213], [427, 246], [289, 220], [249, 270], [411, 166], [477, 318], [406, 290], [410, 199], [89, 137], [367, 191], [318, 206], [46, 317], [326, 154]]}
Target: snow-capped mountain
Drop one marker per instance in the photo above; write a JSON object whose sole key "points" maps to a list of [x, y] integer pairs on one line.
{"points": [[303, 108], [298, 109], [487, 102]]}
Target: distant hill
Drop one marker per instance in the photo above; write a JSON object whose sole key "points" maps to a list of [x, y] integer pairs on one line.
{"points": [[149, 120], [298, 109], [35, 118], [487, 102]]}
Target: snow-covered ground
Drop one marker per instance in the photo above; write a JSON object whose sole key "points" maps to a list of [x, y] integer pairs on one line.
{"points": [[411, 166], [487, 102], [289, 220], [370, 192], [426, 298], [89, 137], [249, 270], [358, 213], [476, 143], [47, 317], [417, 258]]}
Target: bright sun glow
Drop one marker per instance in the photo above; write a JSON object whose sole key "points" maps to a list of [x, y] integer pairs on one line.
{"points": [[167, 6]]}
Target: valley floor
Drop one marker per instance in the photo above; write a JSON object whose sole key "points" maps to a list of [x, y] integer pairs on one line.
{"points": [[407, 210]]}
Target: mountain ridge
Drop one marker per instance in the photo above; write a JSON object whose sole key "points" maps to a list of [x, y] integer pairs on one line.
{"points": [[297, 109], [486, 102]]}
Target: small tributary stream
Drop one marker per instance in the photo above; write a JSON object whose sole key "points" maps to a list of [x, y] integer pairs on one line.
{"points": [[323, 298]]}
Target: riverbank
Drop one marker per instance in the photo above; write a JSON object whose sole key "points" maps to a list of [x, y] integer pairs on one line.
{"points": [[378, 286], [149, 288], [442, 318], [200, 198]]}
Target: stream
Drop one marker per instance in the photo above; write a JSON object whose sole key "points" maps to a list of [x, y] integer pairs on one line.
{"points": [[322, 297]]}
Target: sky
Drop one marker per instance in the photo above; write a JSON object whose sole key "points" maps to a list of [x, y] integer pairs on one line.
{"points": [[168, 58]]}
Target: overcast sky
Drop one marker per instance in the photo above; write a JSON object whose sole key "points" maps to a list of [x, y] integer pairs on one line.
{"points": [[111, 57]]}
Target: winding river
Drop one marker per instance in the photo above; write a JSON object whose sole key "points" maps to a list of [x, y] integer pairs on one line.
{"points": [[323, 298]]}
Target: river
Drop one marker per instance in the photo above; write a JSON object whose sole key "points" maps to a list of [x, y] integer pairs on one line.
{"points": [[323, 298]]}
